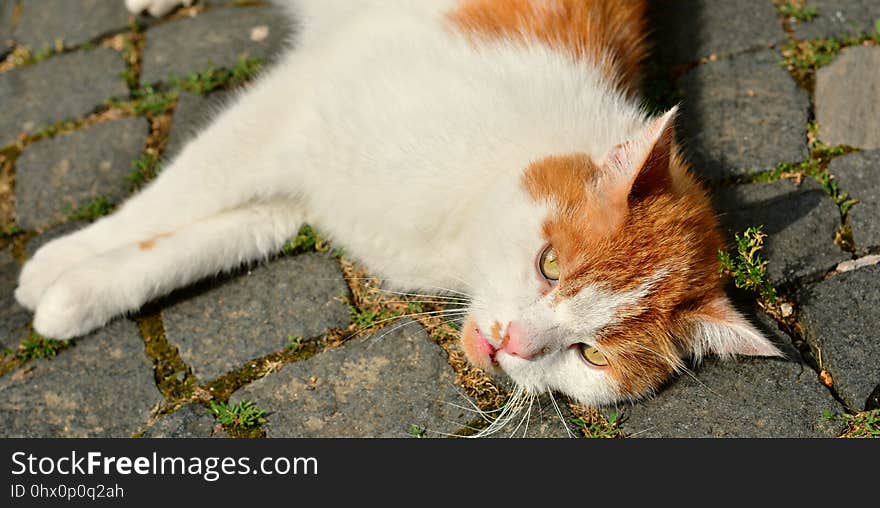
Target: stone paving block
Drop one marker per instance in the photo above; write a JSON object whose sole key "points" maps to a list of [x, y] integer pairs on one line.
{"points": [[218, 37], [63, 87], [840, 317], [101, 387], [74, 22], [688, 30], [838, 18], [61, 173], [848, 98], [192, 420], [369, 387], [6, 11], [740, 398], [239, 318], [859, 175], [800, 223], [743, 114], [14, 318], [193, 112]]}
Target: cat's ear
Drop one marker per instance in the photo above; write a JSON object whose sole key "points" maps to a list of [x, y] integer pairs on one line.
{"points": [[640, 166], [717, 328]]}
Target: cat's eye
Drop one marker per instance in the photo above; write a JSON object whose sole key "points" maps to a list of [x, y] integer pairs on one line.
{"points": [[548, 264], [593, 355]]}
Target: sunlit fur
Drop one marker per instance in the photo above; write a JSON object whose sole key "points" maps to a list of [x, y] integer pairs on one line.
{"points": [[443, 144]]}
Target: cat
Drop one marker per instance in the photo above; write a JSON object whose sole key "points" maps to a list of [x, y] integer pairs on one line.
{"points": [[496, 148]]}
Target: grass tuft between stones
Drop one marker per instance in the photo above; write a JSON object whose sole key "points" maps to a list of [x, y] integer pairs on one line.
{"points": [[804, 58], [213, 78], [865, 424], [796, 9], [35, 346], [242, 419], [747, 268], [593, 424], [90, 210]]}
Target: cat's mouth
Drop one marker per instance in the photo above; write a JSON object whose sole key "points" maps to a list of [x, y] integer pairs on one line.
{"points": [[479, 348]]}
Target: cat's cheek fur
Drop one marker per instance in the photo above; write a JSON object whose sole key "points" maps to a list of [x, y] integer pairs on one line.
{"points": [[562, 371]]}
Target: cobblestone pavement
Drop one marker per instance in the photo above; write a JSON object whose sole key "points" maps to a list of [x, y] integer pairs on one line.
{"points": [[780, 115]]}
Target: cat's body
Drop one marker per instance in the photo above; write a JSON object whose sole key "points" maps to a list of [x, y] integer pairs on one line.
{"points": [[444, 144]]}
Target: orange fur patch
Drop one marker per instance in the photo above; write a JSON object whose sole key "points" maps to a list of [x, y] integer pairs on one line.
{"points": [[151, 243], [147, 244], [608, 33]]}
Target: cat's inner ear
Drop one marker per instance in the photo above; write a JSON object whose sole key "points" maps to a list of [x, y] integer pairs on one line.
{"points": [[717, 328], [639, 167]]}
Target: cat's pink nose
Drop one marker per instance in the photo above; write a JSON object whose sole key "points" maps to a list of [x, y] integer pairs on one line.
{"points": [[516, 342]]}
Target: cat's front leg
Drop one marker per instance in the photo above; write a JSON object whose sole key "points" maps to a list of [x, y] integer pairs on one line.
{"points": [[91, 293]]}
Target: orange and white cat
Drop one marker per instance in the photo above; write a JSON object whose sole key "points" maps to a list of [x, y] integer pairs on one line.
{"points": [[493, 147]]}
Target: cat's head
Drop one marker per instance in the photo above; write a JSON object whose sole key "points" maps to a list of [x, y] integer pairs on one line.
{"points": [[608, 280]]}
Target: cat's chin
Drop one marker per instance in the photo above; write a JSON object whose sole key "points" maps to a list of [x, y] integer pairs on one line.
{"points": [[478, 349]]}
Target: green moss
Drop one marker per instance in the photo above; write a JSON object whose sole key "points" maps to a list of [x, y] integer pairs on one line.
{"points": [[24, 55], [369, 318], [173, 376], [91, 210], [306, 240], [804, 58], [865, 424], [294, 343], [131, 55], [147, 101], [416, 431], [816, 167], [37, 346], [746, 267], [50, 131], [144, 169], [10, 230], [34, 346], [240, 420], [213, 78], [797, 10], [599, 427]]}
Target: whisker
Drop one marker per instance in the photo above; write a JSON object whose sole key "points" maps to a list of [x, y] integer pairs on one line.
{"points": [[424, 285], [392, 329], [420, 295], [436, 302], [508, 411], [457, 295], [526, 414], [529, 416], [559, 413], [426, 313]]}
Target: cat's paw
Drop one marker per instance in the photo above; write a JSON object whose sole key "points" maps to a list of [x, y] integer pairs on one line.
{"points": [[74, 305], [49, 262], [156, 8]]}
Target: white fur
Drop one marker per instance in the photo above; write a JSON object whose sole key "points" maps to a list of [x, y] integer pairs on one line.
{"points": [[393, 135], [155, 7]]}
